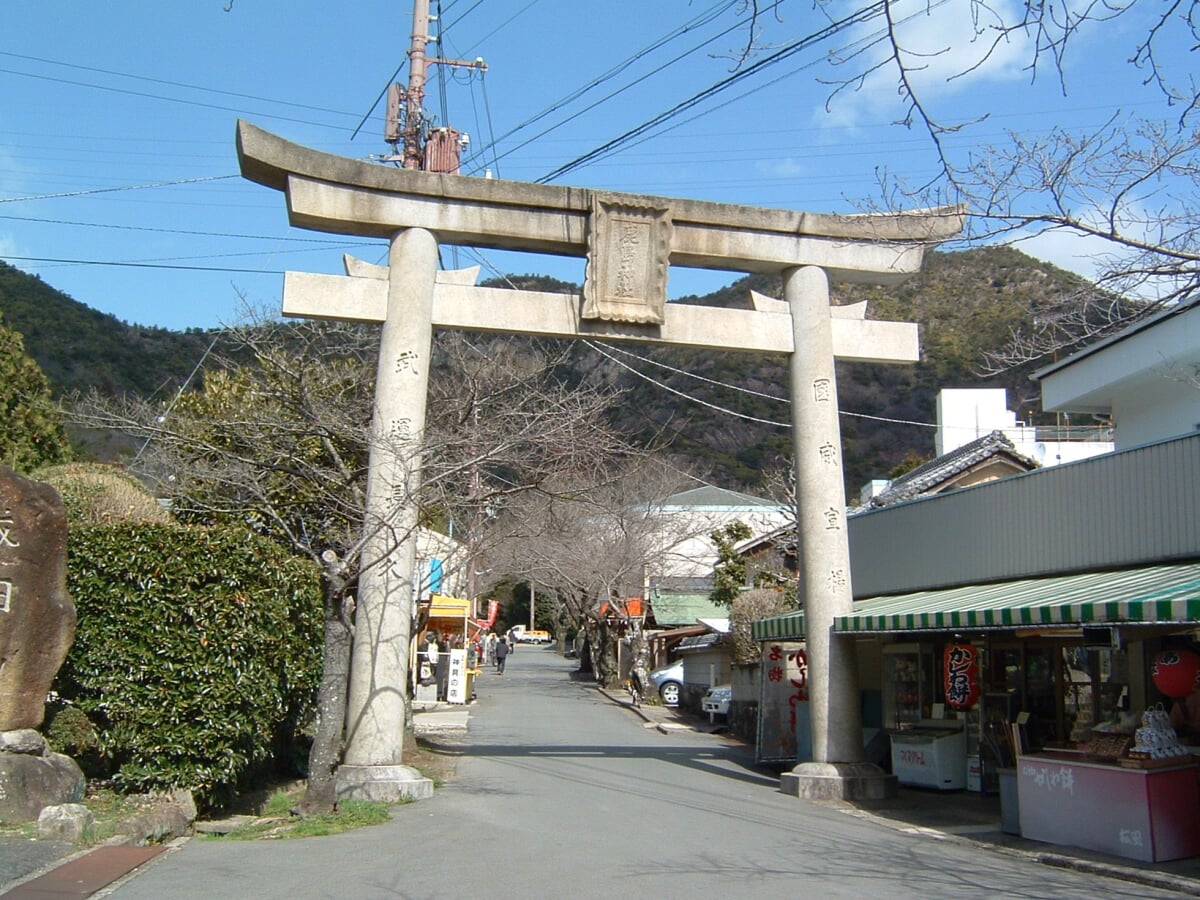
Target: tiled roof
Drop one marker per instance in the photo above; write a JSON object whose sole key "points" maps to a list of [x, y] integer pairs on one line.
{"points": [[926, 478]]}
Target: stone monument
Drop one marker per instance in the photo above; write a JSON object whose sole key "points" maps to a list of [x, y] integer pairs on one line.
{"points": [[629, 241], [37, 626]]}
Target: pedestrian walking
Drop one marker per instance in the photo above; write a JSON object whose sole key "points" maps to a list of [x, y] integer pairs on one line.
{"points": [[501, 655], [489, 648]]}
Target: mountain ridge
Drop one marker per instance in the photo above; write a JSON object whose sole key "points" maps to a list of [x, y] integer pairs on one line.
{"points": [[965, 302]]}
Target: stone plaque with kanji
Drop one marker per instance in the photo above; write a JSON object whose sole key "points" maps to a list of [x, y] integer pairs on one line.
{"points": [[627, 255]]}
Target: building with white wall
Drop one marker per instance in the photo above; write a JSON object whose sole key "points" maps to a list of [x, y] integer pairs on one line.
{"points": [[1146, 379], [967, 414]]}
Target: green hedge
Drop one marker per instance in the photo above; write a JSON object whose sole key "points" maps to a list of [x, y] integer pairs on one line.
{"points": [[197, 654]]}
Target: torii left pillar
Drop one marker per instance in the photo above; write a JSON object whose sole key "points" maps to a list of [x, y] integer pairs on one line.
{"points": [[376, 706]]}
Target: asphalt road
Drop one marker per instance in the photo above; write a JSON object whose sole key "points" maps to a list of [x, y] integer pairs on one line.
{"points": [[561, 793]]}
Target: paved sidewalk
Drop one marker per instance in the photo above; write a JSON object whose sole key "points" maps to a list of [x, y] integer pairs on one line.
{"points": [[956, 816], [56, 870]]}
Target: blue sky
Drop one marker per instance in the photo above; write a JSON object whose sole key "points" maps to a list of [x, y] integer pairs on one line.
{"points": [[118, 174]]}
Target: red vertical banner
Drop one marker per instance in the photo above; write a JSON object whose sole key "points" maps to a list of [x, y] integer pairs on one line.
{"points": [[961, 675], [784, 685]]}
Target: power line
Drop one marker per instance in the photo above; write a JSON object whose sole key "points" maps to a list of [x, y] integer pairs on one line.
{"points": [[862, 15], [127, 187], [670, 390], [199, 103], [684, 372], [151, 265], [703, 19], [221, 234], [180, 84], [602, 350]]}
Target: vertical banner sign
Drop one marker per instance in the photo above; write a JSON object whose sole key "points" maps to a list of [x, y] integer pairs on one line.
{"points": [[961, 676], [784, 685], [456, 681], [435, 576]]}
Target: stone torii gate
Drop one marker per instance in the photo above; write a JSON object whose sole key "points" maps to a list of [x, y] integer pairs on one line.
{"points": [[629, 241]]}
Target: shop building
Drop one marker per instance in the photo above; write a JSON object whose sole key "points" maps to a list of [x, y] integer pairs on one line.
{"points": [[1041, 614]]}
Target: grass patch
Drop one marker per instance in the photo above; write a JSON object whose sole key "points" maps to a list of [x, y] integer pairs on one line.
{"points": [[108, 808], [351, 814]]}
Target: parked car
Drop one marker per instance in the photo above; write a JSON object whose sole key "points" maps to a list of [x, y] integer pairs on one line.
{"points": [[668, 681], [716, 699], [523, 635]]}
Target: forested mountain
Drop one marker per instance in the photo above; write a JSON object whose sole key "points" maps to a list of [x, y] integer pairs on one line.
{"points": [[79, 348], [693, 402]]}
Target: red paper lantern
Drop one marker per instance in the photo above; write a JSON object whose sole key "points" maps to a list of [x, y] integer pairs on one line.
{"points": [[961, 676], [1175, 672]]}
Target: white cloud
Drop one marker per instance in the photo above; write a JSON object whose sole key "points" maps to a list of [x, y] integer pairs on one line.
{"points": [[948, 48], [784, 167], [1068, 250]]}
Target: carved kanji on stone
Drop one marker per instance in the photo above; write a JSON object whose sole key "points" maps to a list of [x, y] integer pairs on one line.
{"points": [[37, 617]]}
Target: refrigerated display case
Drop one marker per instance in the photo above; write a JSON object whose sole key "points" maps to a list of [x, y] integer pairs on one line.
{"points": [[907, 685], [933, 753]]}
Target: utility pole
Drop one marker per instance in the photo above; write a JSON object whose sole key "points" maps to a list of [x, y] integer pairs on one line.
{"points": [[413, 157], [407, 141]]}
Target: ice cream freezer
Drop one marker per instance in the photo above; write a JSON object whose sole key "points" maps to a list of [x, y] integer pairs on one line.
{"points": [[932, 753]]}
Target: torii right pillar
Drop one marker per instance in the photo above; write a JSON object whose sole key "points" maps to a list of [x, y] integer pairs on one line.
{"points": [[838, 770]]}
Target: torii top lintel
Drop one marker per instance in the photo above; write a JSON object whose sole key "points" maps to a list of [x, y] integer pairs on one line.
{"points": [[346, 196]]}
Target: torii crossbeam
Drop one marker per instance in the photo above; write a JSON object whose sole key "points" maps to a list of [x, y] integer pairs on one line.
{"points": [[629, 241]]}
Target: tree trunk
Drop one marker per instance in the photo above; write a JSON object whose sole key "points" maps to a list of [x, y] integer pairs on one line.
{"points": [[603, 652], [320, 796]]}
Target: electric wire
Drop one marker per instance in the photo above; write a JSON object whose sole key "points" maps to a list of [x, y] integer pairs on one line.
{"points": [[179, 393], [441, 70], [166, 99], [856, 18], [163, 81], [127, 187], [602, 349], [220, 234], [153, 265], [487, 110], [703, 19], [670, 390]]}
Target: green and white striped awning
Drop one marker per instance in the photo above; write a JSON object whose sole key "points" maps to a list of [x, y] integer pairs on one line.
{"points": [[788, 627], [1168, 594]]}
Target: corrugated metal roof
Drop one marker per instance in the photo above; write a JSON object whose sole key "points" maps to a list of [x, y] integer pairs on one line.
{"points": [[684, 609], [699, 642], [711, 496], [1167, 594]]}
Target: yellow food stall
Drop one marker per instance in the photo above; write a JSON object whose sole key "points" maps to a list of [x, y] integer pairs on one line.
{"points": [[448, 620]]}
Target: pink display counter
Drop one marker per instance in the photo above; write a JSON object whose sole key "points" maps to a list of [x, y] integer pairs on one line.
{"points": [[1145, 814]]}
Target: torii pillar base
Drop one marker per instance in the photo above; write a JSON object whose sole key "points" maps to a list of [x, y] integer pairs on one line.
{"points": [[838, 781], [382, 784]]}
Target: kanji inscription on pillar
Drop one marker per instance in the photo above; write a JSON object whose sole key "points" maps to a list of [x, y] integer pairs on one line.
{"points": [[627, 254]]}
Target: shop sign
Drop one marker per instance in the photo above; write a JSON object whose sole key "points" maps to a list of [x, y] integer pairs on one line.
{"points": [[783, 696], [456, 680], [961, 670]]}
